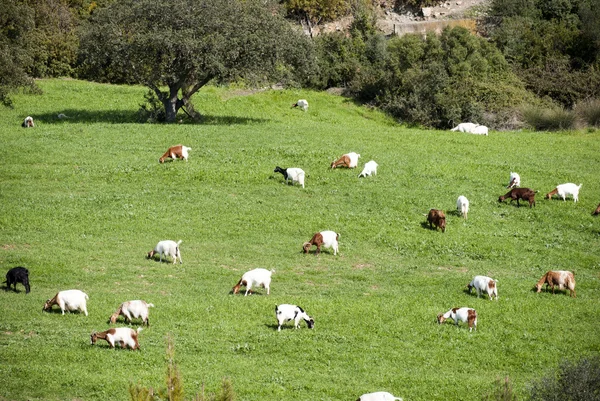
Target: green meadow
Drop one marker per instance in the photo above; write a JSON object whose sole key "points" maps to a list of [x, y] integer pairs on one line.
{"points": [[84, 199]]}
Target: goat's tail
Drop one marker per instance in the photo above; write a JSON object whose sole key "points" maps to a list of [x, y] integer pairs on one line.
{"points": [[139, 329], [179, 242], [86, 296], [150, 305]]}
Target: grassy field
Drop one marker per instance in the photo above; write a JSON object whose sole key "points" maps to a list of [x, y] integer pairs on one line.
{"points": [[84, 199]]}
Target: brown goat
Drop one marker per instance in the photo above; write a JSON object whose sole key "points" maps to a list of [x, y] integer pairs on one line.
{"points": [[437, 218], [560, 278], [597, 211], [175, 152], [349, 160], [520, 193]]}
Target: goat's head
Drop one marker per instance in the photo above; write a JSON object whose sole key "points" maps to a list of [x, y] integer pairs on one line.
{"points": [[306, 247], [440, 318], [310, 323], [151, 254], [47, 305], [113, 318], [93, 338], [442, 223], [597, 211], [278, 170]]}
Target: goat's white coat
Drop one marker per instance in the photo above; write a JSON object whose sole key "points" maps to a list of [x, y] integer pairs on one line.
{"points": [[569, 189], [330, 240], [287, 312], [123, 336], [480, 130], [462, 205], [353, 159], [72, 300], [464, 127], [481, 284], [168, 248], [133, 310], [295, 174], [256, 277], [302, 103], [378, 396], [460, 315], [514, 180], [370, 168]]}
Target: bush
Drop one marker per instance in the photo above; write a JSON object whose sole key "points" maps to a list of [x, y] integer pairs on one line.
{"points": [[589, 112], [502, 391], [549, 119], [573, 381]]}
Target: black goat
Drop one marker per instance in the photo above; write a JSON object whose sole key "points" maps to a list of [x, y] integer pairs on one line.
{"points": [[18, 275]]}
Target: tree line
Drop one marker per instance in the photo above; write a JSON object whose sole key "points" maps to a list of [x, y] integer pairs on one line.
{"points": [[527, 53]]}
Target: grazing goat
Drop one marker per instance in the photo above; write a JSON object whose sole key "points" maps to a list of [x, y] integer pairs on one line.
{"points": [[18, 275], [124, 336], [464, 127], [520, 193], [565, 189], [480, 130], [28, 122], [68, 300], [168, 248], [293, 174], [597, 211], [176, 152], [468, 315], [437, 218], [484, 284], [462, 205], [378, 396], [328, 239], [514, 180], [302, 103], [370, 168], [560, 278], [349, 160], [131, 310], [286, 312], [256, 277]]}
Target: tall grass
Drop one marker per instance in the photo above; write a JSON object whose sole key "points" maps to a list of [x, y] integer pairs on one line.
{"points": [[589, 112], [549, 119], [84, 199]]}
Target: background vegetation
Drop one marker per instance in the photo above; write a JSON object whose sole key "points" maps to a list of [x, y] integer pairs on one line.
{"points": [[84, 199]]}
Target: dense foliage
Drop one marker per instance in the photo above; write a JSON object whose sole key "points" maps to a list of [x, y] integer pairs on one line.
{"points": [[573, 381]]}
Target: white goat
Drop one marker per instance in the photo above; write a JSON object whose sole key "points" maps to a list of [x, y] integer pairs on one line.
{"points": [[131, 310], [464, 127], [28, 122], [462, 205], [378, 396], [484, 284], [370, 168], [480, 130], [293, 173], [328, 239], [256, 277], [514, 180], [286, 312], [124, 336], [69, 300], [168, 248], [302, 103], [467, 315], [565, 189]]}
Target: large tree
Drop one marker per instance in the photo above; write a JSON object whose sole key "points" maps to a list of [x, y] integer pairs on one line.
{"points": [[175, 47]]}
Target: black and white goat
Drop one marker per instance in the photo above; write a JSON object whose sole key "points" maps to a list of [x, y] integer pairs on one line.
{"points": [[293, 174], [286, 312]]}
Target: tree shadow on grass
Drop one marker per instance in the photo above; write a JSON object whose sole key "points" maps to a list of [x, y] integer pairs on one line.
{"points": [[132, 117]]}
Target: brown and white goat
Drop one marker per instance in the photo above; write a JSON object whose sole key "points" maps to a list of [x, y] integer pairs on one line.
{"points": [[597, 211], [560, 278], [175, 152], [349, 160], [527, 194], [28, 122], [254, 278], [467, 315], [437, 218], [70, 300], [124, 336], [328, 239], [132, 310]]}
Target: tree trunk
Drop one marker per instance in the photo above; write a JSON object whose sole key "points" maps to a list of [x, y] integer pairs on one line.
{"points": [[172, 104]]}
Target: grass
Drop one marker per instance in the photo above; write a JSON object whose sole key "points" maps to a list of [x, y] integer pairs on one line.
{"points": [[84, 199]]}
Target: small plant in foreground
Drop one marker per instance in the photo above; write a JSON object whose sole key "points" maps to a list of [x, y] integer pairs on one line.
{"points": [[503, 391]]}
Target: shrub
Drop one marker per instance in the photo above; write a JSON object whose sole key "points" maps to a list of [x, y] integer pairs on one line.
{"points": [[503, 391], [549, 119], [573, 381], [589, 112]]}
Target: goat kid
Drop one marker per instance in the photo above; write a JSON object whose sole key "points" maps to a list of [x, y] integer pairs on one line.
{"points": [[349, 160], [168, 248], [514, 180], [466, 315], [124, 336], [176, 152], [69, 300], [302, 103], [252, 278], [293, 174], [370, 168], [18, 275], [286, 312], [437, 218], [484, 284], [378, 396], [28, 122], [462, 205], [560, 278], [520, 193], [563, 190], [328, 239], [132, 310]]}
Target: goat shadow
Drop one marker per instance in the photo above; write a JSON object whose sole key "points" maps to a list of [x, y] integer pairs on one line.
{"points": [[16, 290], [425, 224], [57, 310]]}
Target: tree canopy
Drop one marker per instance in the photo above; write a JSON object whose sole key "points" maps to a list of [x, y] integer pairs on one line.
{"points": [[184, 44]]}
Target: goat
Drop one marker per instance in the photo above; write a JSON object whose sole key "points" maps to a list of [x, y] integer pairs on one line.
{"points": [[370, 168], [28, 122], [483, 283], [293, 174], [597, 211], [514, 180], [437, 218], [302, 103], [462, 205], [378, 396], [286, 312], [349, 160], [131, 310], [464, 127], [520, 193], [565, 189], [256, 277], [68, 300], [124, 336], [467, 315], [560, 278], [176, 152], [480, 130], [168, 248], [18, 275], [328, 239]]}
